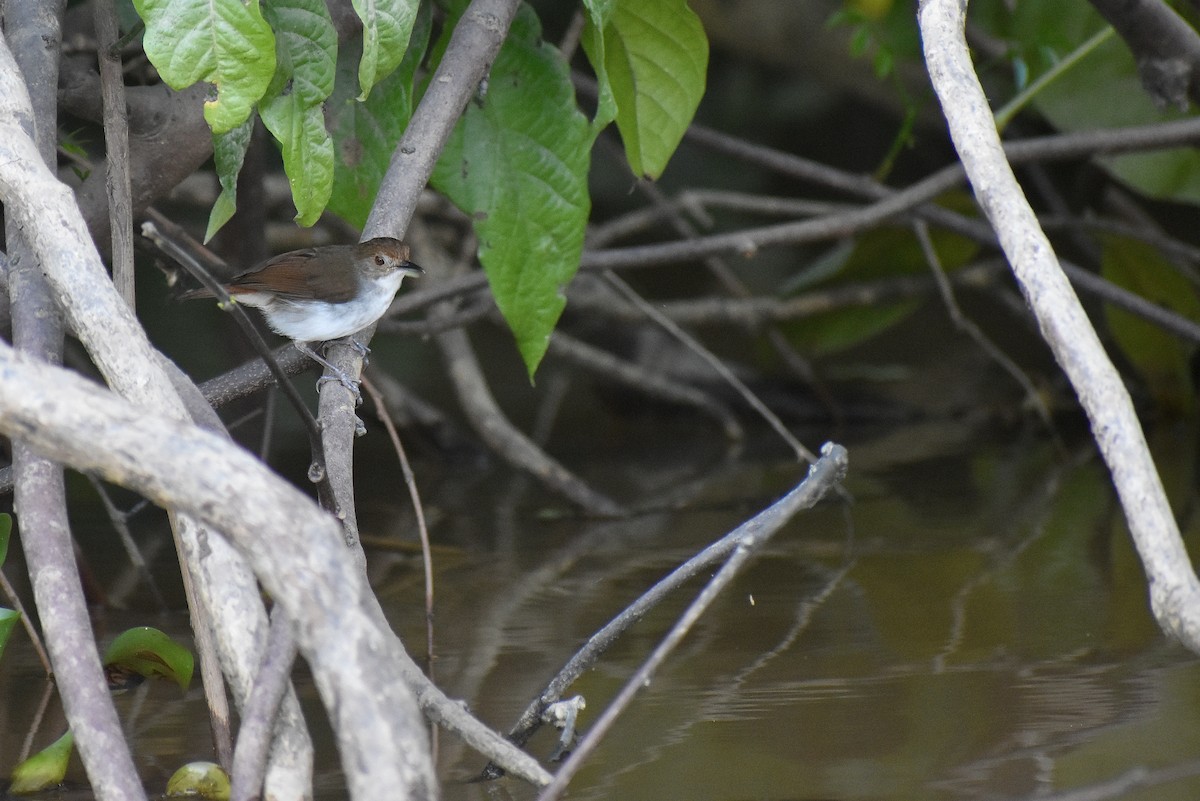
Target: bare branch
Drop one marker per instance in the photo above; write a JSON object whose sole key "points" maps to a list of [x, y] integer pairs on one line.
{"points": [[1174, 589], [473, 46], [295, 548], [1166, 47], [823, 476]]}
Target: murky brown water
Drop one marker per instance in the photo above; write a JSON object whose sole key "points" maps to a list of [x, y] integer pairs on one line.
{"points": [[974, 626]]}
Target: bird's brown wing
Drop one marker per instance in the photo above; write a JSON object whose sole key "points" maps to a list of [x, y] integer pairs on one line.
{"points": [[291, 276]]}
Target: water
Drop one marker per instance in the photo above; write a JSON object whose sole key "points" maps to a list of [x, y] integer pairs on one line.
{"points": [[973, 626]]}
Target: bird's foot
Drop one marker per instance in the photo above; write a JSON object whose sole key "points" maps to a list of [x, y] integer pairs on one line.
{"points": [[332, 373]]}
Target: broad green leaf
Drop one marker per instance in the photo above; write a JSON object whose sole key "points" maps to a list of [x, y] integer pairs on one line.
{"points": [[224, 42], [149, 652], [366, 132], [387, 25], [599, 14], [1082, 97], [199, 780], [305, 49], [307, 153], [1161, 359], [655, 58], [306, 57], [229, 151], [44, 769], [517, 164]]}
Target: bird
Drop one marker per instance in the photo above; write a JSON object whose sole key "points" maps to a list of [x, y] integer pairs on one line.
{"points": [[322, 293]]}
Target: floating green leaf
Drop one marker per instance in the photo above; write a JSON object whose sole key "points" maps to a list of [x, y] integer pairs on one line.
{"points": [[224, 42], [366, 133], [199, 780], [387, 25], [44, 769], [655, 58], [229, 152], [1161, 359], [148, 652], [517, 164], [291, 109]]}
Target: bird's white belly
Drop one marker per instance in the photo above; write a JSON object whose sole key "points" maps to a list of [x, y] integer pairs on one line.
{"points": [[317, 321]]}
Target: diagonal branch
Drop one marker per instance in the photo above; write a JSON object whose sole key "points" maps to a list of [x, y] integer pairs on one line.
{"points": [[469, 55], [1174, 589]]}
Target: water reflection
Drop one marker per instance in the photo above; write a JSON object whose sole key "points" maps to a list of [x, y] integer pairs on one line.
{"points": [[985, 635]]}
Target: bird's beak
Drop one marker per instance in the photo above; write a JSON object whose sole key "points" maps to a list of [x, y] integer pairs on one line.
{"points": [[412, 269]]}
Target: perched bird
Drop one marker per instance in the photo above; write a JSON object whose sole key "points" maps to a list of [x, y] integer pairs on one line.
{"points": [[323, 293]]}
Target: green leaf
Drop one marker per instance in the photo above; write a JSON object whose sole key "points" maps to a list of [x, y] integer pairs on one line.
{"points": [[305, 49], [878, 254], [199, 780], [149, 652], [655, 57], [229, 151], [387, 25], [1161, 359], [1081, 98], [44, 769], [366, 133], [307, 153], [224, 42], [599, 14], [517, 164], [306, 55]]}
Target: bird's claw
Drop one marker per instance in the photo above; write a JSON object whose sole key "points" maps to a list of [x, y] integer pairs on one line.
{"points": [[343, 378]]}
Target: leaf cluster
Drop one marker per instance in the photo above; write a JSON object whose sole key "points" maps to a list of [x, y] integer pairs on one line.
{"points": [[518, 161]]}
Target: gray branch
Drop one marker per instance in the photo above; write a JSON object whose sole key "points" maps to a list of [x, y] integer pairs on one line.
{"points": [[295, 548], [1174, 589]]}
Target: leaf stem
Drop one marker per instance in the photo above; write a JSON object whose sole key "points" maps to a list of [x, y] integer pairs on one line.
{"points": [[1009, 110]]}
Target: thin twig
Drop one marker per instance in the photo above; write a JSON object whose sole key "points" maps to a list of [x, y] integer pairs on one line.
{"points": [[715, 363], [653, 383], [823, 475], [10, 593], [583, 659], [791, 358], [968, 326], [120, 522], [418, 509], [501, 435], [249, 767]]}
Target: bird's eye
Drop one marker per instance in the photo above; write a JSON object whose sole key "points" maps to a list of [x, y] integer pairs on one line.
{"points": [[379, 260]]}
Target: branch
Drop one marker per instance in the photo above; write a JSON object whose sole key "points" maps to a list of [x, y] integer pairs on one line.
{"points": [[295, 548], [1167, 49], [1174, 589], [39, 491], [45, 211], [473, 46], [823, 476]]}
